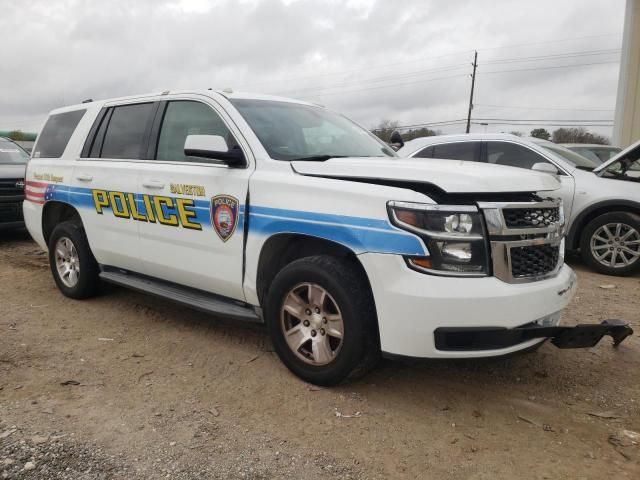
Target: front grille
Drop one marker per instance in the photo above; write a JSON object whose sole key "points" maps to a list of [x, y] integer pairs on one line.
{"points": [[10, 212], [530, 217], [8, 187], [534, 260]]}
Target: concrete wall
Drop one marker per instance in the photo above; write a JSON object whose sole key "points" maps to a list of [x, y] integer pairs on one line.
{"points": [[626, 128]]}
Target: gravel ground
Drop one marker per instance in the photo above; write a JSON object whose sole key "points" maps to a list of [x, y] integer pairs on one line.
{"points": [[129, 386]]}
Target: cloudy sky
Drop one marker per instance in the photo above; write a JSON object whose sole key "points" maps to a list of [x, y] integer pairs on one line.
{"points": [[403, 60]]}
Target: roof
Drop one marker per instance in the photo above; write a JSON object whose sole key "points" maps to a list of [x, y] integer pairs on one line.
{"points": [[417, 143], [227, 93], [588, 145]]}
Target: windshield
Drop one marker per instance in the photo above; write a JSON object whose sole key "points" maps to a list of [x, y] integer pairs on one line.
{"points": [[572, 157], [290, 131], [599, 154], [627, 168], [10, 153]]}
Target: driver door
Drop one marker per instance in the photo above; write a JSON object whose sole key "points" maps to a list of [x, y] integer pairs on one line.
{"points": [[194, 207]]}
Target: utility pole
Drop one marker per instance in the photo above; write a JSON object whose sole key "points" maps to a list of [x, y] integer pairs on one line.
{"points": [[473, 83]]}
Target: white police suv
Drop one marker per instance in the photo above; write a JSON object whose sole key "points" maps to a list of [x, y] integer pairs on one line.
{"points": [[272, 210]]}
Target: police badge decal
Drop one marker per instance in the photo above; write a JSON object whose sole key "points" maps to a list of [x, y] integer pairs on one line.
{"points": [[224, 215]]}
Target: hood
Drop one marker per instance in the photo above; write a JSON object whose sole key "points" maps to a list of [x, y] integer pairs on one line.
{"points": [[630, 150], [452, 176], [12, 170]]}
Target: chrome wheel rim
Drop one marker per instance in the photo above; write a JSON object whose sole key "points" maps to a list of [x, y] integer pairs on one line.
{"points": [[616, 245], [312, 324], [67, 262]]}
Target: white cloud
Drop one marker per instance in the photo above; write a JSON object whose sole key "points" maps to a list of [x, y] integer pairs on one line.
{"points": [[334, 52]]}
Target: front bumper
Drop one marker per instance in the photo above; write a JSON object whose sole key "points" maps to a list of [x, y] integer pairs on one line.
{"points": [[580, 336], [411, 306], [11, 213]]}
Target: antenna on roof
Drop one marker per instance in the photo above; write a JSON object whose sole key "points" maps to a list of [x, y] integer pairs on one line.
{"points": [[88, 100]]}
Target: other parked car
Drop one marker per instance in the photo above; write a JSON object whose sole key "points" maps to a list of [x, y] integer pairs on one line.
{"points": [[598, 153], [13, 162], [601, 202]]}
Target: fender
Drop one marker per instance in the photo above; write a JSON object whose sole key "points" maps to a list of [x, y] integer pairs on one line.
{"points": [[606, 206]]}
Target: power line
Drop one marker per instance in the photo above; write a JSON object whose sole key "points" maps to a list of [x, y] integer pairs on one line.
{"points": [[536, 58], [549, 124], [365, 69], [544, 120], [549, 68], [552, 41], [382, 86], [377, 79], [546, 108]]}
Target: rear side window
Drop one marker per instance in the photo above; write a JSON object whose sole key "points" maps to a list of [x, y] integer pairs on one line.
{"points": [[125, 133], [505, 153], [425, 153], [469, 151], [56, 134]]}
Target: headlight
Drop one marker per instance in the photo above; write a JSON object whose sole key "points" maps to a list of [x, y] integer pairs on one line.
{"points": [[454, 236]]}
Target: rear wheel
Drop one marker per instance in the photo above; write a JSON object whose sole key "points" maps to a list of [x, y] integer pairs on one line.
{"points": [[610, 243], [74, 268], [322, 320]]}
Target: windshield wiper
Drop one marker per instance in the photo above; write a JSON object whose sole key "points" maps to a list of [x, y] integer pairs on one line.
{"points": [[316, 158]]}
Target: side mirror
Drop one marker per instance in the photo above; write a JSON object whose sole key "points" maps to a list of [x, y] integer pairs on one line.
{"points": [[215, 147], [396, 140], [545, 167]]}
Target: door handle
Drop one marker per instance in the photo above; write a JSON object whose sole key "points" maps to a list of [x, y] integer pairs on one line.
{"points": [[157, 184], [84, 177]]}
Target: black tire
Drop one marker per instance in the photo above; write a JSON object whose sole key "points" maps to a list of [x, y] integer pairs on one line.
{"points": [[592, 227], [346, 285], [88, 281]]}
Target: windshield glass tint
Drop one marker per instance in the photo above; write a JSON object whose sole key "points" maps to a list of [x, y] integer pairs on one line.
{"points": [[12, 153], [290, 130], [572, 157]]}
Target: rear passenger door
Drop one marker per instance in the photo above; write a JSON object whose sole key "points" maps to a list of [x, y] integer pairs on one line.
{"points": [[105, 182], [514, 155], [196, 237]]}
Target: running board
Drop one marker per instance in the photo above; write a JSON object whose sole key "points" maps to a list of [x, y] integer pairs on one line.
{"points": [[191, 297]]}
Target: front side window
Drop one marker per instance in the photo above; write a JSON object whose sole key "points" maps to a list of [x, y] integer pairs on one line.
{"points": [[56, 134], [124, 137], [12, 154], [468, 151], [290, 131], [183, 118], [513, 155]]}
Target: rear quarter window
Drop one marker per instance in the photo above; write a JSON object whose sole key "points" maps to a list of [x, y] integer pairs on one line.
{"points": [[56, 133]]}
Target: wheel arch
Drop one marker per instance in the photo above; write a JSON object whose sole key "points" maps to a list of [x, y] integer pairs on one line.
{"points": [[593, 211], [283, 248], [54, 212]]}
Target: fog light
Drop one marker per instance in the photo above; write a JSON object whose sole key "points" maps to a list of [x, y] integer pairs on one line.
{"points": [[458, 251]]}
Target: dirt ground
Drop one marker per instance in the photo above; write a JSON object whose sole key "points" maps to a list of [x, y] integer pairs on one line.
{"points": [[129, 386]]}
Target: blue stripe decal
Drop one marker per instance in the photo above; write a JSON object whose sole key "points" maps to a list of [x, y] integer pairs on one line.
{"points": [[360, 234]]}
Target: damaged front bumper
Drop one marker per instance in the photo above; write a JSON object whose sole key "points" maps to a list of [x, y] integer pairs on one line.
{"points": [[491, 338]]}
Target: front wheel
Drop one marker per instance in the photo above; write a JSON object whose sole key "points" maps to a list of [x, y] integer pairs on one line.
{"points": [[610, 243], [321, 319]]}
